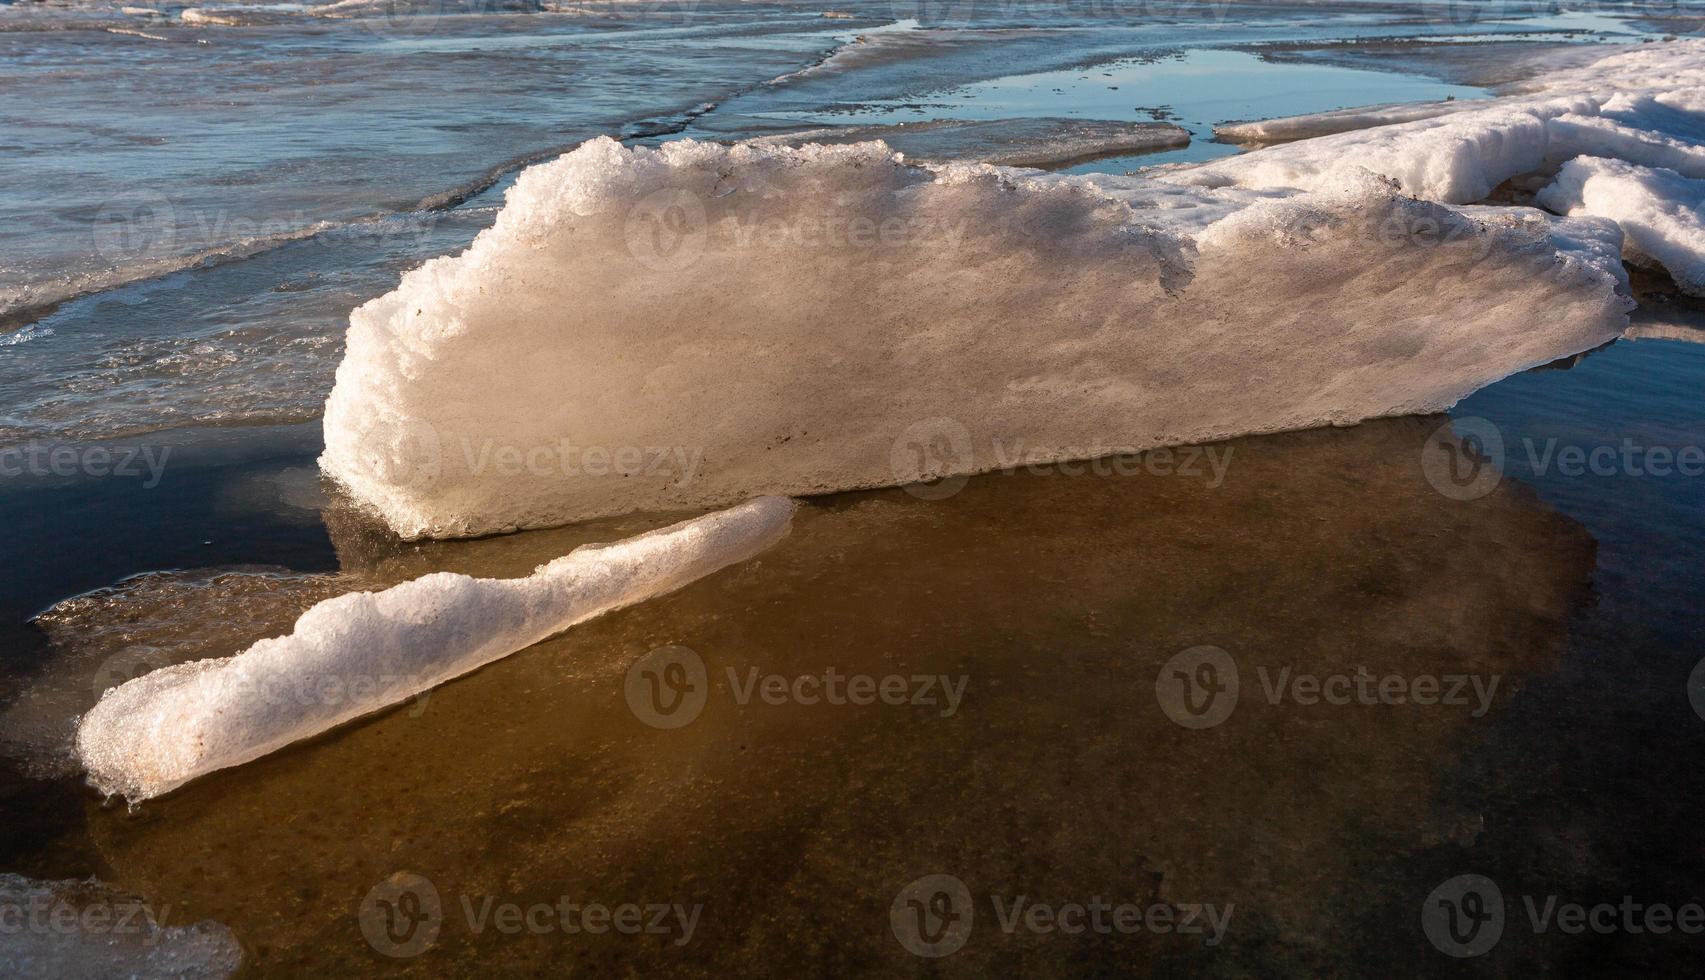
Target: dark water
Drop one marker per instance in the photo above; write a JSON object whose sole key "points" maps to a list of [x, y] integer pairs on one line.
{"points": [[1555, 612]]}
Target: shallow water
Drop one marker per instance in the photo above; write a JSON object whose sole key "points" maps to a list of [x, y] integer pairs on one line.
{"points": [[1194, 89], [1055, 598]]}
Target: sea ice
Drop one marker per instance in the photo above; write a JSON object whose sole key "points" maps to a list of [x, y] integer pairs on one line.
{"points": [[357, 653], [804, 320], [822, 318], [1641, 106], [1659, 212]]}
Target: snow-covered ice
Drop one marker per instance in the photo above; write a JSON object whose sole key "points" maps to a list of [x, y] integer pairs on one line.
{"points": [[804, 320], [356, 653], [792, 318], [1645, 106], [1660, 212]]}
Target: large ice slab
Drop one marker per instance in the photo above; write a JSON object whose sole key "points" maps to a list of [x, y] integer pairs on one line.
{"points": [[804, 320], [356, 653]]}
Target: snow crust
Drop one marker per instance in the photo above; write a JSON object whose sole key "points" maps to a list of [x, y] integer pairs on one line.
{"points": [[1659, 211], [357, 653], [1645, 106]]}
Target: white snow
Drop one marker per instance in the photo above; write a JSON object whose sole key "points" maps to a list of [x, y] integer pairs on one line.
{"points": [[796, 319], [1659, 212], [1642, 105], [357, 653]]}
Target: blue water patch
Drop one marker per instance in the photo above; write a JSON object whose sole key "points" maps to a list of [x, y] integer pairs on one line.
{"points": [[1193, 89]]}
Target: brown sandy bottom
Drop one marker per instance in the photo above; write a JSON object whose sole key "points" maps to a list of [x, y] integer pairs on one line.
{"points": [[1055, 599]]}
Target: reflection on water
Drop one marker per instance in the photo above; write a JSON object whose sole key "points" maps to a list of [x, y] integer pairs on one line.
{"points": [[1195, 89], [1050, 603]]}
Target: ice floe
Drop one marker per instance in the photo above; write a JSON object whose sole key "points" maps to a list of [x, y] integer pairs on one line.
{"points": [[788, 318], [1645, 106], [357, 653], [1658, 210]]}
